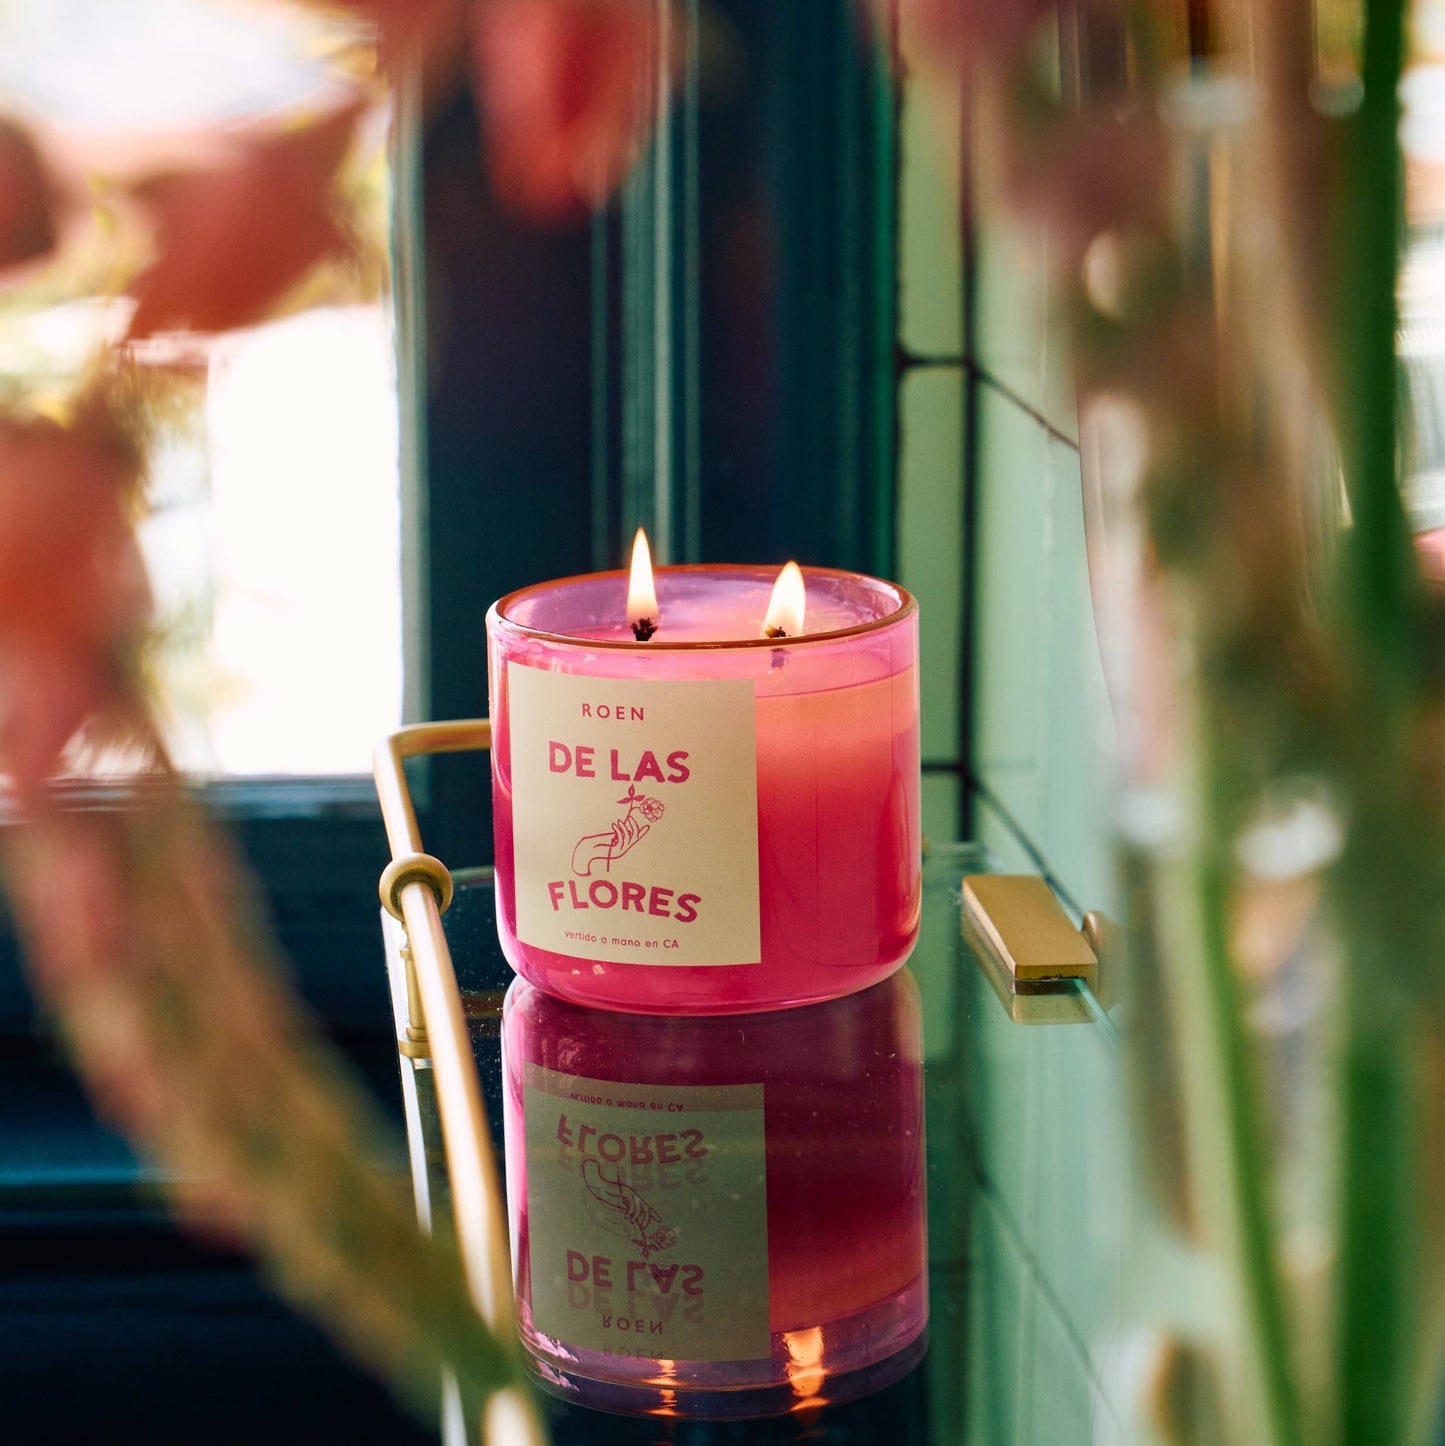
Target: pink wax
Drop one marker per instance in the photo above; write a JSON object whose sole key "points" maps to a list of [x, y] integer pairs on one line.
{"points": [[717, 1215], [709, 821]]}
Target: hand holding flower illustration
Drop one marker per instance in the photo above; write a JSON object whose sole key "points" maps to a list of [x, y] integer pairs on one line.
{"points": [[625, 1212], [602, 848]]}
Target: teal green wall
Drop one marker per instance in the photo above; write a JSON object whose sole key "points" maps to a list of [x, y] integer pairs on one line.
{"points": [[991, 538], [1012, 683]]}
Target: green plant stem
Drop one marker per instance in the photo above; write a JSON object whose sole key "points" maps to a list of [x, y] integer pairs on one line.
{"points": [[1375, 1217], [1381, 578], [1380, 610], [1248, 1178]]}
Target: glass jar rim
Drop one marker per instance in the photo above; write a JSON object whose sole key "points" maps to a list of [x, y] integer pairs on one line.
{"points": [[497, 613]]}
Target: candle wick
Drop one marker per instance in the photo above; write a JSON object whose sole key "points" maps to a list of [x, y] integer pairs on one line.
{"points": [[774, 631], [643, 629]]}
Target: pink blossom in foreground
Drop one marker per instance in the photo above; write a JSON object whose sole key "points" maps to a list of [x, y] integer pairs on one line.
{"points": [[564, 88], [27, 199], [73, 590], [233, 238]]}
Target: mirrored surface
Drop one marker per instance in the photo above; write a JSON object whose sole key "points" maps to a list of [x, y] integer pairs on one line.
{"points": [[1028, 1201], [718, 1216]]}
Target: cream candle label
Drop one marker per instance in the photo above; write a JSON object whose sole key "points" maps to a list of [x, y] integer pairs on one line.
{"points": [[647, 1217], [634, 817]]}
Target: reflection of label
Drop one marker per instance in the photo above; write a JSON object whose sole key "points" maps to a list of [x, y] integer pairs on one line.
{"points": [[635, 817], [647, 1217]]}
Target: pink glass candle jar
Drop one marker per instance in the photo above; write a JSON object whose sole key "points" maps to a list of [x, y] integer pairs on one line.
{"points": [[718, 1215], [709, 821]]}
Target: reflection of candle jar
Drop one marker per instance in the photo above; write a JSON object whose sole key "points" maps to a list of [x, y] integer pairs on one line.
{"points": [[717, 1215], [710, 820]]}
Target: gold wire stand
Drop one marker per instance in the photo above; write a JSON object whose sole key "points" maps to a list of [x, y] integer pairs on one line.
{"points": [[416, 889]]}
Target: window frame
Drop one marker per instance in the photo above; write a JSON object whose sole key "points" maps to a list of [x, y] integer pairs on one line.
{"points": [[480, 491]]}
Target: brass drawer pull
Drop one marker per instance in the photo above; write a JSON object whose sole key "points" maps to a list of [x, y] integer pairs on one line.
{"points": [[1018, 915]]}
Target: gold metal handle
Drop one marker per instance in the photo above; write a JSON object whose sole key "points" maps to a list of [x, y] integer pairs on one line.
{"points": [[415, 886], [469, 735], [1019, 915], [1030, 951]]}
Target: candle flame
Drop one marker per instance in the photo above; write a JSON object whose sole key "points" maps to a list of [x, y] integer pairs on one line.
{"points": [[641, 591], [785, 607]]}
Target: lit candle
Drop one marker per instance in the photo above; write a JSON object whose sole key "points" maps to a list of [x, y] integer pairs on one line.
{"points": [[715, 818], [788, 605], [641, 593], [719, 1215]]}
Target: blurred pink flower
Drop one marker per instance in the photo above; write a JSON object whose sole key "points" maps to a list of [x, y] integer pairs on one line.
{"points": [[231, 239], [73, 588], [963, 33], [564, 89], [1084, 173], [27, 199]]}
